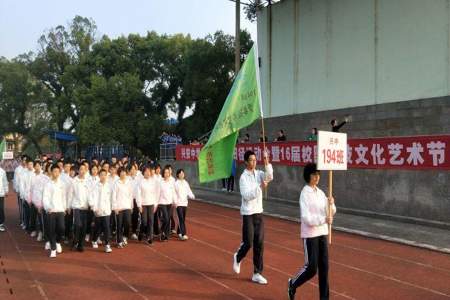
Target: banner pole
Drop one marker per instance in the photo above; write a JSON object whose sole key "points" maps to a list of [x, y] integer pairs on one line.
{"points": [[330, 194]]}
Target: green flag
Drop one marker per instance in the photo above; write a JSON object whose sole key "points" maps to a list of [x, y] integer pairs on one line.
{"points": [[241, 108], [2, 147]]}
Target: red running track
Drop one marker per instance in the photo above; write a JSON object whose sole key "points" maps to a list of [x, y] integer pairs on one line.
{"points": [[360, 268]]}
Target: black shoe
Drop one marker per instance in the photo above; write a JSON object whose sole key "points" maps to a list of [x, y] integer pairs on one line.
{"points": [[291, 290], [150, 242]]}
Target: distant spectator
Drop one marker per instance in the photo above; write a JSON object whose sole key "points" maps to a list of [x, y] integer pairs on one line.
{"points": [[281, 136], [334, 125], [313, 136], [195, 142], [246, 138], [261, 138]]}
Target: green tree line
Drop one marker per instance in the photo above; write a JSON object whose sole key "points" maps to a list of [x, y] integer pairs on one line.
{"points": [[117, 90]]}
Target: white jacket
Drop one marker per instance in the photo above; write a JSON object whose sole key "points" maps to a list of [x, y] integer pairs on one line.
{"points": [[3, 183], [134, 183], [54, 196], [79, 195], [313, 212], [25, 185], [122, 196], [67, 181], [250, 187], [16, 180], [148, 191], [184, 193], [101, 199], [167, 194], [37, 189]]}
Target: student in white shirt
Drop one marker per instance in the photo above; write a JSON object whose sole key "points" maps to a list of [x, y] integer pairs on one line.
{"points": [[3, 195], [79, 203], [166, 199], [156, 225], [16, 184], [314, 231], [36, 190], [122, 203], [101, 197], [184, 193], [252, 184], [135, 216], [147, 197], [25, 185], [54, 200], [173, 209], [68, 218], [93, 179], [44, 216]]}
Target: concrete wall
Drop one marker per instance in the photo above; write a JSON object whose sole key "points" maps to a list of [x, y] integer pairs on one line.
{"points": [[417, 194], [322, 54]]}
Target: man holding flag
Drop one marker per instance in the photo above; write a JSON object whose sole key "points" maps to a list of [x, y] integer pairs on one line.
{"points": [[241, 108]]}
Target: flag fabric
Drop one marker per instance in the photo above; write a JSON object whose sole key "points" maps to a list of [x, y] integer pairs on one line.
{"points": [[2, 147], [241, 108]]}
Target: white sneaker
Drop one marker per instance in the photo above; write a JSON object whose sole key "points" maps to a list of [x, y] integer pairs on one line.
{"points": [[94, 245], [125, 241], [180, 236], [173, 231], [258, 278], [87, 238], [23, 226], [58, 248], [224, 189], [236, 265], [2, 228], [108, 249], [185, 237], [53, 254], [134, 236], [39, 237], [120, 245], [99, 241], [33, 234], [47, 246]]}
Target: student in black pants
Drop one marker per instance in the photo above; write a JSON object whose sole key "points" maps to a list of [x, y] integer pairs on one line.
{"points": [[147, 196], [122, 204], [315, 218], [166, 199], [3, 195], [183, 192], [101, 205]]}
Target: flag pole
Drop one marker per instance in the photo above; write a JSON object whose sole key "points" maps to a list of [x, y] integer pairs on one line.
{"points": [[330, 194]]}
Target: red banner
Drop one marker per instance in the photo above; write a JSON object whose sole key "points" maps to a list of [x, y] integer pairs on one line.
{"points": [[418, 152]]}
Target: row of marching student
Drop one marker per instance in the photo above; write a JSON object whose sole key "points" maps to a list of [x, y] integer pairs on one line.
{"points": [[80, 203]]}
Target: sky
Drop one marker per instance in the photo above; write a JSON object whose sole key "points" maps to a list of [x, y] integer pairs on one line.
{"points": [[22, 22]]}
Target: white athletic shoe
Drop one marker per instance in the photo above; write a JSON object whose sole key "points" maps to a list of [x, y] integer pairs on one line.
{"points": [[99, 241], [120, 245], [23, 226], [224, 189], [47, 246], [33, 234], [2, 228], [134, 236], [236, 265], [58, 248], [39, 237], [185, 238], [180, 236], [173, 231], [53, 253], [94, 245], [87, 238], [108, 249], [125, 241], [258, 278]]}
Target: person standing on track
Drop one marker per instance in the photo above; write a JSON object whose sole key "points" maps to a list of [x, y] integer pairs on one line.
{"points": [[184, 192], [166, 200], [3, 195], [122, 204], [147, 197], [252, 184], [314, 231], [54, 200], [101, 204]]}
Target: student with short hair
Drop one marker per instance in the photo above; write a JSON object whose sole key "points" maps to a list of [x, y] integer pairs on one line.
{"points": [[25, 185], [79, 203], [101, 198], [135, 214], [122, 204], [252, 184], [36, 191], [166, 199], [183, 193], [54, 200], [147, 197], [314, 205]]}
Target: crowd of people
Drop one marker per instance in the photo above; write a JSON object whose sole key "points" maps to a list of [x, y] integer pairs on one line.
{"points": [[99, 202], [171, 138]]}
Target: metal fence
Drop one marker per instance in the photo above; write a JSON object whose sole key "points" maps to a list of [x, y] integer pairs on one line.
{"points": [[167, 151]]}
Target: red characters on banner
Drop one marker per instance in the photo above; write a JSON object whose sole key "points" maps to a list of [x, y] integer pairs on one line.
{"points": [[420, 152]]}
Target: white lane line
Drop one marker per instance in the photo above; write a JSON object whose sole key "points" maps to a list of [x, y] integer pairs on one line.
{"points": [[124, 281], [357, 232], [335, 262], [199, 273], [36, 284], [266, 265]]}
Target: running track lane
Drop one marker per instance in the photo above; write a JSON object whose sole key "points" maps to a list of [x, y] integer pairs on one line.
{"points": [[360, 268]]}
